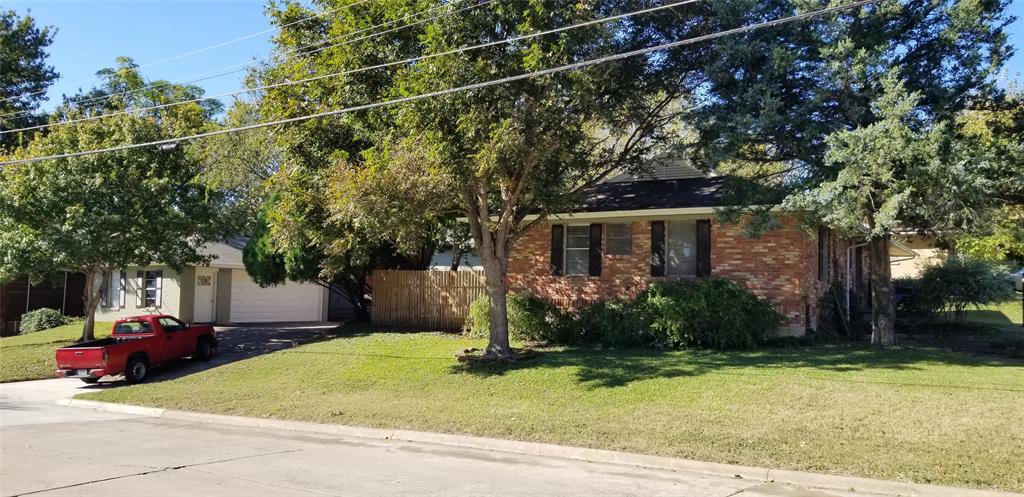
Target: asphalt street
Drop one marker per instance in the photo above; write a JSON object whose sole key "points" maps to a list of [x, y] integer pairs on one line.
{"points": [[51, 450]]}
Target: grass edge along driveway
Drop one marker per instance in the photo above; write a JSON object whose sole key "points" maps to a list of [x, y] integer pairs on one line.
{"points": [[905, 414], [30, 356]]}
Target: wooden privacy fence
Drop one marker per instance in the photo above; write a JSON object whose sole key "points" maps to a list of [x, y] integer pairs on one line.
{"points": [[430, 299]]}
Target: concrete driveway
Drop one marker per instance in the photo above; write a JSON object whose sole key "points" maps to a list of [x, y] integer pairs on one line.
{"points": [[50, 450], [240, 342]]}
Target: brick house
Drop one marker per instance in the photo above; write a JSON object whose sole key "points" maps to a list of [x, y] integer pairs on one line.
{"points": [[627, 232]]}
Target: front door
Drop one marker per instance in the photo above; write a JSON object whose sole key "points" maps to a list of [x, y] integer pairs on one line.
{"points": [[206, 282]]}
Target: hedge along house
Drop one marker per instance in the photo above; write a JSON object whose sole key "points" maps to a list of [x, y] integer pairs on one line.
{"points": [[628, 232], [221, 292]]}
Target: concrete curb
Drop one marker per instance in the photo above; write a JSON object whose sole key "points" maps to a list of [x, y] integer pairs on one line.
{"points": [[800, 478]]}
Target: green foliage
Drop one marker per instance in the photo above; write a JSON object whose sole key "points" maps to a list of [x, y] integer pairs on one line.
{"points": [[711, 313], [107, 211], [263, 263], [945, 291], [708, 313], [529, 319], [399, 172], [898, 172], [775, 94], [24, 74], [240, 165], [612, 323], [1002, 241], [41, 319]]}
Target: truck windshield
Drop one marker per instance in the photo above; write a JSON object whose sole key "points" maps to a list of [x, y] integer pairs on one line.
{"points": [[129, 327]]}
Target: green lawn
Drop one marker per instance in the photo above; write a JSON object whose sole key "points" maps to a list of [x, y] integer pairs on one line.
{"points": [[30, 357], [920, 415], [1003, 319]]}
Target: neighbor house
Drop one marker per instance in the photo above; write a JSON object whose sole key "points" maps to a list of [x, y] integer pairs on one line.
{"points": [[627, 232], [220, 292]]}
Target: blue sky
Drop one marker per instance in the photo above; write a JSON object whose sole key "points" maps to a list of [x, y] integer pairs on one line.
{"points": [[92, 33]]}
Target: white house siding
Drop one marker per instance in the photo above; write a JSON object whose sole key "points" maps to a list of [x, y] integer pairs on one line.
{"points": [[251, 303], [170, 301]]}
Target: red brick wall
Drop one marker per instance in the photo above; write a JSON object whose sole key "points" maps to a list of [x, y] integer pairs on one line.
{"points": [[780, 265]]}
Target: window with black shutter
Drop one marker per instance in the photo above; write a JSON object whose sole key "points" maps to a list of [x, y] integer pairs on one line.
{"points": [[577, 250], [594, 266], [681, 248]]}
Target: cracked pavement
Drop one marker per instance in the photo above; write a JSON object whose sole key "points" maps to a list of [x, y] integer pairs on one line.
{"points": [[52, 450]]}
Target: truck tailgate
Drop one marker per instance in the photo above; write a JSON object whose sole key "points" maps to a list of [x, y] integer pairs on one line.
{"points": [[80, 358], [86, 355]]}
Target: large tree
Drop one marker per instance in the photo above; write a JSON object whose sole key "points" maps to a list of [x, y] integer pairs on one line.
{"points": [[240, 165], [781, 101], [24, 74], [902, 171], [104, 212], [491, 156]]}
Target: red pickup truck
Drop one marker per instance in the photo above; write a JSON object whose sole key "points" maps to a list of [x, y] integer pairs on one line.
{"points": [[136, 344]]}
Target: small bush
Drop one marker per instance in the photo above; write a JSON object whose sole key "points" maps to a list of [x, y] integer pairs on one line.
{"points": [[946, 290], [41, 319], [529, 318], [708, 313], [612, 323]]}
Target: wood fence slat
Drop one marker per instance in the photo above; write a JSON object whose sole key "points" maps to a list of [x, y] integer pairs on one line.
{"points": [[430, 299]]}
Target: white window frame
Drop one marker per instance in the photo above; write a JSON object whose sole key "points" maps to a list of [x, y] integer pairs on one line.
{"points": [[158, 276], [566, 249], [114, 297], [668, 248]]}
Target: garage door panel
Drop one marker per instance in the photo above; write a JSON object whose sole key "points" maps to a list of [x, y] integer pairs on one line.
{"points": [[292, 301]]}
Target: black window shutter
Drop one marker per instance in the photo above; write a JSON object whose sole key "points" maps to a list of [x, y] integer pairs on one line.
{"points": [[657, 248], [704, 247], [595, 249], [557, 253], [822, 253]]}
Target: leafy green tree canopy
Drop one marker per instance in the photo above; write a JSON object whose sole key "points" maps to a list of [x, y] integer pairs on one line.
{"points": [[107, 211], [24, 73]]}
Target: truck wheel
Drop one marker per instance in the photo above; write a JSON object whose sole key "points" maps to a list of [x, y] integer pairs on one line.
{"points": [[89, 380], [136, 370], [203, 350]]}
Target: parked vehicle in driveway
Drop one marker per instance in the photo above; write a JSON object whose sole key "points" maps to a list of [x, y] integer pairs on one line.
{"points": [[136, 345]]}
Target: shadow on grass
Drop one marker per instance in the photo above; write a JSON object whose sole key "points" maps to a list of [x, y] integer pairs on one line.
{"points": [[615, 368]]}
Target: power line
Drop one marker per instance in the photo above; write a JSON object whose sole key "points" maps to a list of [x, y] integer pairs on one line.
{"points": [[362, 69], [207, 75], [211, 47], [474, 86]]}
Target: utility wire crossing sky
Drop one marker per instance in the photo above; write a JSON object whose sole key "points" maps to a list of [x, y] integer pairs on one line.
{"points": [[447, 91]]}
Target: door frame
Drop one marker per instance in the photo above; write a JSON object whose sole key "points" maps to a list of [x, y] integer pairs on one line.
{"points": [[212, 317]]}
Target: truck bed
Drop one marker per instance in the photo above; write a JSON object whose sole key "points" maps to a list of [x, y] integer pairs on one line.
{"points": [[103, 342]]}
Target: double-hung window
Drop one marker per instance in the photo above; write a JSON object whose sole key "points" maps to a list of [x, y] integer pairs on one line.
{"points": [[577, 250], [681, 248], [152, 288], [618, 239]]}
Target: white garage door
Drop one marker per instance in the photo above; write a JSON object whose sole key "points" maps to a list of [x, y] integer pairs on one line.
{"points": [[251, 303]]}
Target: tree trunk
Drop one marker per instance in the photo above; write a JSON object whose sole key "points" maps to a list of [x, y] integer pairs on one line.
{"points": [[497, 290], [883, 330], [456, 256], [91, 298]]}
